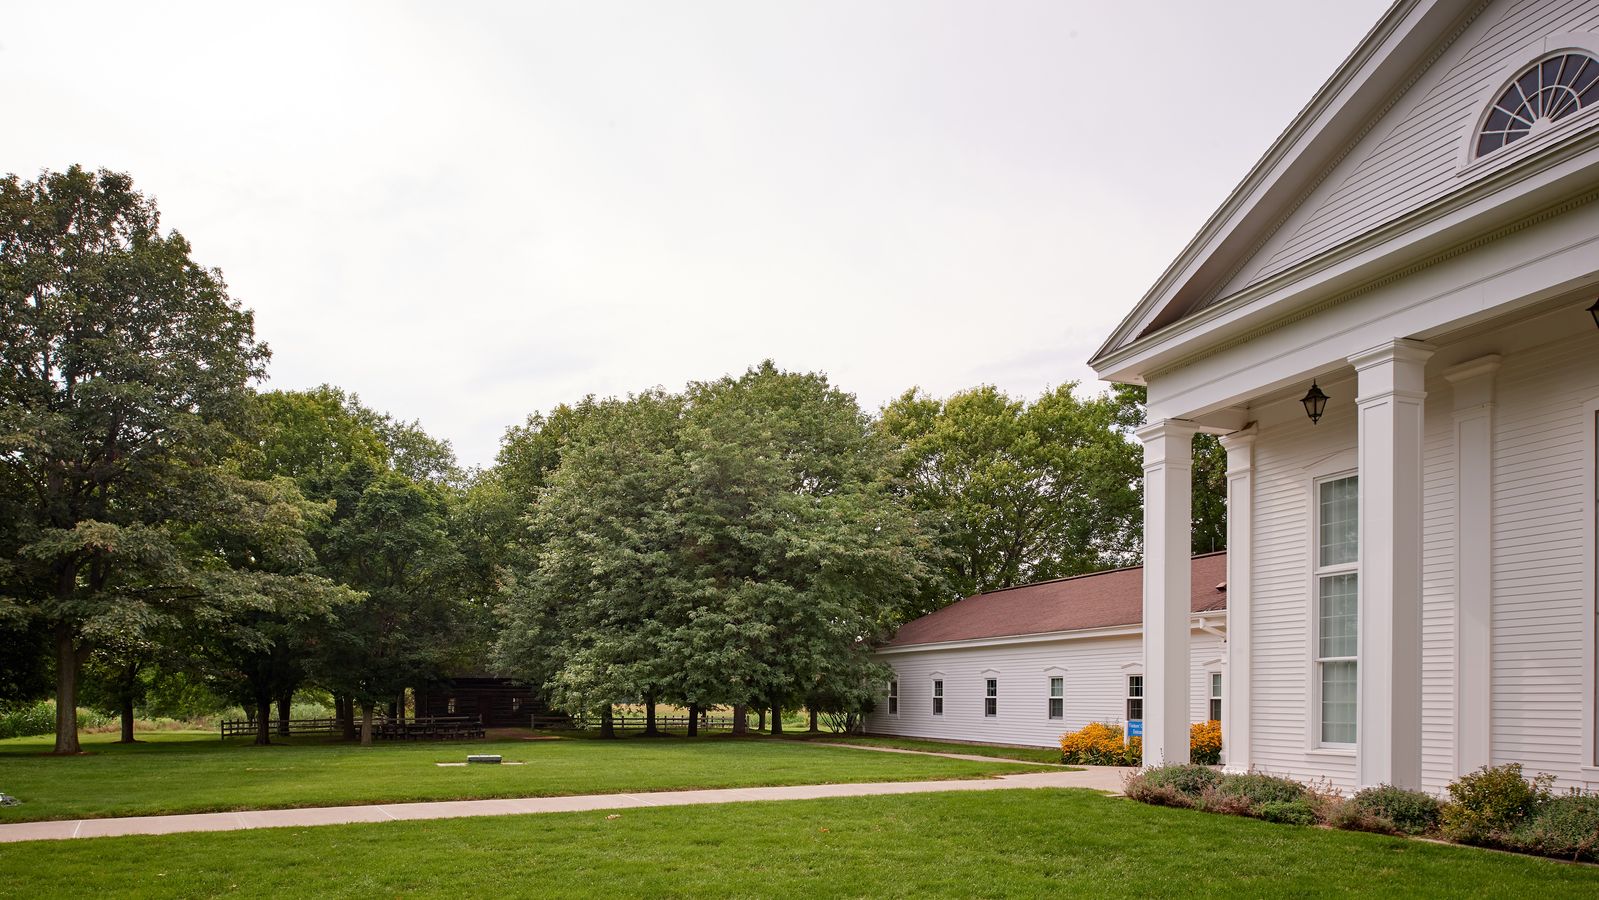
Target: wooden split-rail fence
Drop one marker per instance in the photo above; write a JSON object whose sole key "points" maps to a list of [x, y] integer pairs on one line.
{"points": [[425, 728]]}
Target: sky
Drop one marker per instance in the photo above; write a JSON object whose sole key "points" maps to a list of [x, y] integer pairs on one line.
{"points": [[469, 212]]}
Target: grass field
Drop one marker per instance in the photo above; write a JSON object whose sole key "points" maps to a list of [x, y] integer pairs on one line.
{"points": [[1026, 754], [1000, 843], [171, 773]]}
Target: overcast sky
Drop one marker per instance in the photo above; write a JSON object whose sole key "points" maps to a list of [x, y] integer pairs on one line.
{"points": [[467, 212]]}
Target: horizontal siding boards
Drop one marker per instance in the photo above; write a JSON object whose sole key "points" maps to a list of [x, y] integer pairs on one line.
{"points": [[1539, 607], [1411, 158], [1095, 670]]}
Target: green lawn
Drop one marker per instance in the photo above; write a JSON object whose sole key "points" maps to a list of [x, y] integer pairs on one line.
{"points": [[1030, 843], [171, 773], [1027, 754]]}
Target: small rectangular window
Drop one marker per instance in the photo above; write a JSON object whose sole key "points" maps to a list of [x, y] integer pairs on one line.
{"points": [[1215, 696], [893, 697], [938, 696], [1337, 607], [1135, 698], [991, 698], [1057, 697]]}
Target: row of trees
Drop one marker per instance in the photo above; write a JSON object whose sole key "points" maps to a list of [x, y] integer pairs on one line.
{"points": [[739, 542], [156, 512]]}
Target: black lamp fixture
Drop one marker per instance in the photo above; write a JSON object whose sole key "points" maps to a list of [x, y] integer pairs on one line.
{"points": [[1316, 402], [1594, 311]]}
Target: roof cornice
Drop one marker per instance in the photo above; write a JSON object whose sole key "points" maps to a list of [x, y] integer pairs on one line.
{"points": [[1196, 620]]}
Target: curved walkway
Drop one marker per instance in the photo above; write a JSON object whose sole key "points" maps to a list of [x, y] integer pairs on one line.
{"points": [[1103, 779]]}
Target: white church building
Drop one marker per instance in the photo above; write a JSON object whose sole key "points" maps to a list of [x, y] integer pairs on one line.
{"points": [[1391, 323]]}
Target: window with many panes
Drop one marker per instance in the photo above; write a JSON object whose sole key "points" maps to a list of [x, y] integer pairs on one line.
{"points": [[1057, 697], [1543, 94], [1215, 696], [938, 696], [1135, 698], [893, 697], [991, 697], [1337, 599]]}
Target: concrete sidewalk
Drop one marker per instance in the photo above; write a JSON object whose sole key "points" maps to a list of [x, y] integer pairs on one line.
{"points": [[1103, 779]]}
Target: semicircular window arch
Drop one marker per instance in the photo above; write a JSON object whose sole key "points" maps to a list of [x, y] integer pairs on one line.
{"points": [[1543, 94]]}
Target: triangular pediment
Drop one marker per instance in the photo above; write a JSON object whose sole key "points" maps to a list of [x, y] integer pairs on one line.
{"points": [[1387, 135]]}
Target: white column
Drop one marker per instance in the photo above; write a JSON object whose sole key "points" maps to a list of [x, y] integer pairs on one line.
{"points": [[1392, 380], [1474, 487], [1240, 447], [1168, 597]]}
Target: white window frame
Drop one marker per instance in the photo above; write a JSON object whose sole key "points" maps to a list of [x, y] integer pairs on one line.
{"points": [[893, 696], [1128, 697], [990, 695], [1051, 698], [937, 704], [1216, 685], [1317, 573]]}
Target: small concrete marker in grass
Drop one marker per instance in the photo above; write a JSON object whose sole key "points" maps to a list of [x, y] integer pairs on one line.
{"points": [[492, 759]]}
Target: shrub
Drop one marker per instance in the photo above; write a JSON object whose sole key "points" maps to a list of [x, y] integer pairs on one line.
{"points": [[1096, 744], [1190, 780], [1258, 788], [1137, 786], [1391, 810], [1134, 754], [1288, 812], [27, 720], [1562, 826], [1204, 742], [1492, 802]]}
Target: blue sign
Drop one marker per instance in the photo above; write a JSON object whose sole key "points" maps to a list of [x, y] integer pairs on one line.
{"points": [[1135, 728]]}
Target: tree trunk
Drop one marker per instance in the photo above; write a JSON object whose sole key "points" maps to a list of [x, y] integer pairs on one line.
{"points": [[777, 719], [693, 720], [346, 708], [399, 704], [366, 724], [263, 720], [649, 716], [66, 691], [760, 719], [285, 706], [814, 729], [741, 719], [127, 719], [607, 723]]}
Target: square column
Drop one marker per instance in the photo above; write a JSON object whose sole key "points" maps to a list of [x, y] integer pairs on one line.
{"points": [[1168, 594], [1235, 710], [1392, 382]]}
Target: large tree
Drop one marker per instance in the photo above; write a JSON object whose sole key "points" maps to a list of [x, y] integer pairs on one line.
{"points": [[124, 371], [1015, 491]]}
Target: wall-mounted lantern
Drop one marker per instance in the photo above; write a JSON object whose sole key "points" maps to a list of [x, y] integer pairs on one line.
{"points": [[1316, 402]]}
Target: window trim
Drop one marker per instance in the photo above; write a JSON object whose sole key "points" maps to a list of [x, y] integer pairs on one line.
{"points": [[990, 695], [1128, 698], [1051, 698], [893, 696], [1313, 724], [937, 691]]}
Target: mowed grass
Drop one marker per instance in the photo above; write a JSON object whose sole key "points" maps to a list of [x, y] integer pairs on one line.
{"points": [[1032, 843], [179, 773], [1024, 754]]}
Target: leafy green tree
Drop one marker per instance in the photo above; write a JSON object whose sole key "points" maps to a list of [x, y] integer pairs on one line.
{"points": [[1018, 492], [1210, 472], [124, 368], [389, 538]]}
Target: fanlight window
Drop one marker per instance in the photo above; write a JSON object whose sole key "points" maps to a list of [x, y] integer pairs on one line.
{"points": [[1542, 95]]}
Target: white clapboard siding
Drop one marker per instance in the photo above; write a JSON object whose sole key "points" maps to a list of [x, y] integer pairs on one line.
{"points": [[1438, 586], [1539, 608], [1412, 156], [1095, 670]]}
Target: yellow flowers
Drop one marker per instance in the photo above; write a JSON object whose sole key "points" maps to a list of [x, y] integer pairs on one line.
{"points": [[1204, 742]]}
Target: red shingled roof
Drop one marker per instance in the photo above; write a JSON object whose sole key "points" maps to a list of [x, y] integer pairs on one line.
{"points": [[1099, 600]]}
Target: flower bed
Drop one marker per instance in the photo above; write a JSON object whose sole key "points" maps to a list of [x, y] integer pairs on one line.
{"points": [[1104, 744], [1491, 807]]}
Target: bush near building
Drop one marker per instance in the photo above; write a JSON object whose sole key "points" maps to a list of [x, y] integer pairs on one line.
{"points": [[1105, 744], [1492, 807]]}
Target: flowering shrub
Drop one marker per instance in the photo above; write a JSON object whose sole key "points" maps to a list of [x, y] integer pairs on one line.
{"points": [[1204, 742], [1491, 802], [1099, 744]]}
